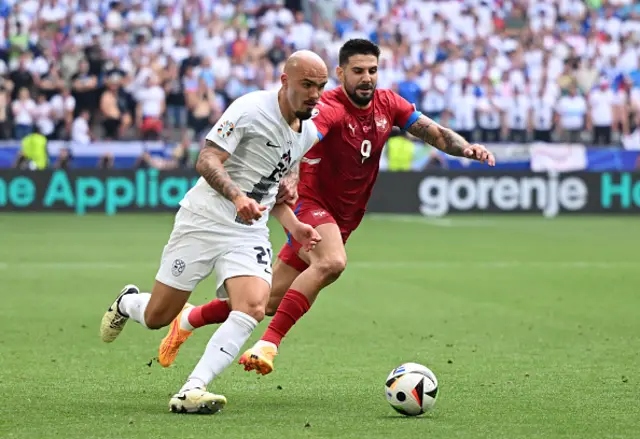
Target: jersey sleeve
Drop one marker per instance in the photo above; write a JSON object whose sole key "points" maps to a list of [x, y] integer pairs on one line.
{"points": [[405, 114], [228, 131], [325, 117], [312, 137]]}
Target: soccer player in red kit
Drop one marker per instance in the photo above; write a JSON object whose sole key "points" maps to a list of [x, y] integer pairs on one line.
{"points": [[337, 175]]}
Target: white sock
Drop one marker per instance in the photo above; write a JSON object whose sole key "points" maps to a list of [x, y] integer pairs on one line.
{"points": [[133, 305], [222, 349], [184, 320], [260, 343]]}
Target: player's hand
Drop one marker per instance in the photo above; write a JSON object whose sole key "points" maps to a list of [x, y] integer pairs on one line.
{"points": [[306, 235], [287, 192], [479, 153], [248, 209]]}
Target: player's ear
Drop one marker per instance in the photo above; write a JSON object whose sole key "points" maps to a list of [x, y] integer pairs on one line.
{"points": [[340, 73], [284, 80]]}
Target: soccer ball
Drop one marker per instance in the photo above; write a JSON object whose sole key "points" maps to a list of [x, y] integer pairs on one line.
{"points": [[411, 389]]}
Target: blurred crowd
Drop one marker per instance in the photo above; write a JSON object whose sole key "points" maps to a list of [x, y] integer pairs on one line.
{"points": [[152, 69]]}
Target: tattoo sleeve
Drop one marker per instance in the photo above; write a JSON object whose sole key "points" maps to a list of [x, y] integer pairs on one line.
{"points": [[210, 167], [436, 135]]}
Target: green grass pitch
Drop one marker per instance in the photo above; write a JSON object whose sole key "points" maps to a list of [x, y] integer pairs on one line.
{"points": [[530, 324]]}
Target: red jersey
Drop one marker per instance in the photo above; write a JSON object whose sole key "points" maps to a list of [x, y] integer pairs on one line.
{"points": [[339, 172]]}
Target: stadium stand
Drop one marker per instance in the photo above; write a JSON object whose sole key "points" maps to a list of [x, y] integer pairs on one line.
{"points": [[86, 74]]}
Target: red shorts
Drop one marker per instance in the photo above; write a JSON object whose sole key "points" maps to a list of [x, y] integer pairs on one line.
{"points": [[309, 212]]}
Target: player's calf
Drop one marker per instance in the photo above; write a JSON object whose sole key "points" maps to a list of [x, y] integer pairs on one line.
{"points": [[165, 304], [283, 277]]}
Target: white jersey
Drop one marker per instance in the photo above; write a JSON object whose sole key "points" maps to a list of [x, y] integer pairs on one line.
{"points": [[262, 148]]}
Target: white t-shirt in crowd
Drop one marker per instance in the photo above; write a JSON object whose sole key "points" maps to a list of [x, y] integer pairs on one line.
{"points": [[572, 111], [542, 108], [490, 112], [463, 107], [80, 131], [152, 100], [517, 108], [61, 105], [23, 112], [42, 116], [601, 103]]}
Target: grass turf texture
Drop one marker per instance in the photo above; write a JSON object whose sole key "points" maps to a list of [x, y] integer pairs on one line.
{"points": [[531, 326]]}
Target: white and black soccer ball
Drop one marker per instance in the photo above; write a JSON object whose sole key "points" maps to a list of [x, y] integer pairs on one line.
{"points": [[411, 389]]}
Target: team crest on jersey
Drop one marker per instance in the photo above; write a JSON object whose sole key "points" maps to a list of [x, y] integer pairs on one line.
{"points": [[315, 112], [381, 124], [225, 129]]}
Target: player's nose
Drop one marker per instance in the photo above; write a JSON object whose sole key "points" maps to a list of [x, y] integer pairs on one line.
{"points": [[314, 94]]}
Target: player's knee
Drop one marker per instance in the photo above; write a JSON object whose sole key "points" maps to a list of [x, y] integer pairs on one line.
{"points": [[157, 319], [255, 309], [331, 268]]}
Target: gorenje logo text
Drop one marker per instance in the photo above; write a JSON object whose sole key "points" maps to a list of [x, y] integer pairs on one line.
{"points": [[548, 194]]}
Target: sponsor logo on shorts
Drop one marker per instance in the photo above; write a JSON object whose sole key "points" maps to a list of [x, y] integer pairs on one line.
{"points": [[319, 213], [178, 267]]}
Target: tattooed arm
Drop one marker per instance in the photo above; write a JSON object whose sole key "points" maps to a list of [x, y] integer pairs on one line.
{"points": [[293, 176], [436, 135], [448, 140], [210, 167], [288, 188]]}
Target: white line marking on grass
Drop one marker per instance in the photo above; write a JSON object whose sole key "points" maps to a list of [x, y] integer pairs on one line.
{"points": [[355, 264]]}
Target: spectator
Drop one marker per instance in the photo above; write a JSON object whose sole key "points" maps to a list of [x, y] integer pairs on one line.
{"points": [[5, 100], [80, 131], [23, 113], [302, 33], [571, 110], [490, 116], [43, 117], [150, 108], [84, 87], [202, 106], [175, 96], [51, 83], [409, 88], [462, 108], [600, 113], [63, 108], [113, 106], [542, 113], [517, 107], [21, 77]]}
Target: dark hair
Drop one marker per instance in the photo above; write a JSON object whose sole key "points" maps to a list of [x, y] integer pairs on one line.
{"points": [[357, 47]]}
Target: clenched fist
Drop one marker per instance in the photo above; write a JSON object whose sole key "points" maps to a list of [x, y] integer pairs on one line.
{"points": [[248, 209]]}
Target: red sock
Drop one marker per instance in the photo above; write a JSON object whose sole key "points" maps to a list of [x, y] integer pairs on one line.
{"points": [[215, 311], [293, 306]]}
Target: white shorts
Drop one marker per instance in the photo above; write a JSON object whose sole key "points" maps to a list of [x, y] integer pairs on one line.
{"points": [[198, 245]]}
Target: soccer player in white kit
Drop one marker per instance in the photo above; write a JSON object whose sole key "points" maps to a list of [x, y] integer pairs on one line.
{"points": [[222, 223]]}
